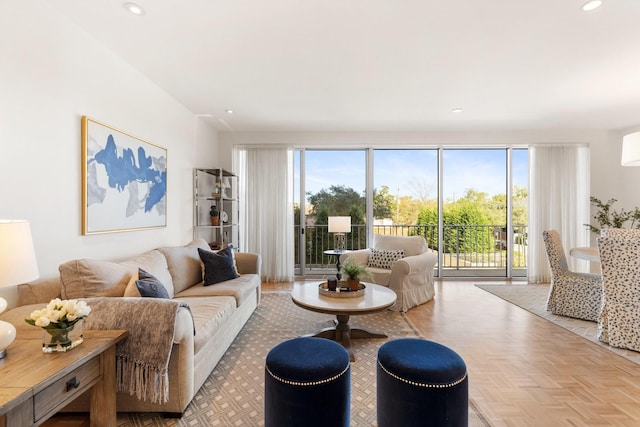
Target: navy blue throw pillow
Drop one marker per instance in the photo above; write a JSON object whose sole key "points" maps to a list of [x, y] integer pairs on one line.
{"points": [[218, 266], [149, 286]]}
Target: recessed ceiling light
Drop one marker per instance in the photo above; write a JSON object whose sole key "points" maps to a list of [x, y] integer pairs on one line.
{"points": [[228, 111], [134, 8], [591, 4], [457, 110]]}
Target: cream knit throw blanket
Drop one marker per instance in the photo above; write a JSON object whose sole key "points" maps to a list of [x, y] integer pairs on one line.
{"points": [[142, 359]]}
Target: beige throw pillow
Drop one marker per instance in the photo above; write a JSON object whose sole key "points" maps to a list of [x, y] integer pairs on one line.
{"points": [[155, 264], [132, 290]]}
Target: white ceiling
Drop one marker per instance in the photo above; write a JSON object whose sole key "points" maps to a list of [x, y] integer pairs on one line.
{"points": [[383, 65]]}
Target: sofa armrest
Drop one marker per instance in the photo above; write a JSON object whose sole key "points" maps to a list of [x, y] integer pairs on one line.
{"points": [[360, 256], [248, 263], [415, 264]]}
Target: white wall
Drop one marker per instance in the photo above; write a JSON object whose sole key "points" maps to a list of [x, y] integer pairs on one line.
{"points": [[51, 74]]}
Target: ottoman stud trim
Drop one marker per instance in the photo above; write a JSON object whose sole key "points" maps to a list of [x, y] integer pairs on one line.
{"points": [[307, 383], [417, 384]]}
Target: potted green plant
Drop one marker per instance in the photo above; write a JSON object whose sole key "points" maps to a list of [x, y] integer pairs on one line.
{"points": [[215, 215], [354, 273], [609, 218]]}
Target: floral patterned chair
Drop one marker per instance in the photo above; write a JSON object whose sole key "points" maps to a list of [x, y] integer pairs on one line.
{"points": [[571, 294], [619, 322], [624, 233]]}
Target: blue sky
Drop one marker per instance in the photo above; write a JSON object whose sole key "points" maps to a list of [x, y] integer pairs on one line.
{"points": [[414, 172]]}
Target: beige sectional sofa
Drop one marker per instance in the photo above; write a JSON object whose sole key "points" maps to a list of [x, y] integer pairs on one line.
{"points": [[202, 332]]}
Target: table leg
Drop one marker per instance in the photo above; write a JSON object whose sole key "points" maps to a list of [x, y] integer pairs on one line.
{"points": [[343, 333], [103, 393]]}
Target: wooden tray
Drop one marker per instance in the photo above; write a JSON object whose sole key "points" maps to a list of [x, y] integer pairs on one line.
{"points": [[344, 292]]}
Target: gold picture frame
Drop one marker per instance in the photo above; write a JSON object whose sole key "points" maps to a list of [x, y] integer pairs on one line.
{"points": [[124, 181]]}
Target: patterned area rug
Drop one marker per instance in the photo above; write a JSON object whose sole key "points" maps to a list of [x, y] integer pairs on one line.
{"points": [[533, 299], [233, 393]]}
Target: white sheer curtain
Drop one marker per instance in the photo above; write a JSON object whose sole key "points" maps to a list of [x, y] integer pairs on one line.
{"points": [[559, 200], [266, 217]]}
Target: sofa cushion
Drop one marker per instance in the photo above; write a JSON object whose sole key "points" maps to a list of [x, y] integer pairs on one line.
{"points": [[83, 278], [149, 286], [241, 288], [384, 258], [209, 315], [412, 245], [218, 266], [381, 276], [184, 264], [154, 263]]}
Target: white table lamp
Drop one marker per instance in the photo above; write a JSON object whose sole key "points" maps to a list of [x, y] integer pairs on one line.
{"points": [[338, 225], [17, 265], [631, 150]]}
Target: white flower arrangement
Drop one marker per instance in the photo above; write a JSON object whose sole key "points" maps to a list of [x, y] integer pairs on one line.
{"points": [[59, 314]]}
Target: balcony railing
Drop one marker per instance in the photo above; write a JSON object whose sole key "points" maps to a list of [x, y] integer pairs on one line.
{"points": [[465, 246]]}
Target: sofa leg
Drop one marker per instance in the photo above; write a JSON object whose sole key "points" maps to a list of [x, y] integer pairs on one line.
{"points": [[172, 414]]}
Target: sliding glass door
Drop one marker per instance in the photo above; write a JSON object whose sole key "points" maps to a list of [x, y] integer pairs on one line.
{"points": [[329, 183], [469, 204]]}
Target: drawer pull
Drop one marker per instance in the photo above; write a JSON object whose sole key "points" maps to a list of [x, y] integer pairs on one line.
{"points": [[72, 383]]}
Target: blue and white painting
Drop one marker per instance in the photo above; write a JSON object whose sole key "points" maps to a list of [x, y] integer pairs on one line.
{"points": [[125, 181]]}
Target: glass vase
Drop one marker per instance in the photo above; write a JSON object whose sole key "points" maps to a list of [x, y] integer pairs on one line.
{"points": [[61, 340]]}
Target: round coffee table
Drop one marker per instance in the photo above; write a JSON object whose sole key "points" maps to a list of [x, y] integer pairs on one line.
{"points": [[375, 298]]}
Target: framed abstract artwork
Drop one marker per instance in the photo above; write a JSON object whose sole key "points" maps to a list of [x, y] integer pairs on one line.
{"points": [[124, 181]]}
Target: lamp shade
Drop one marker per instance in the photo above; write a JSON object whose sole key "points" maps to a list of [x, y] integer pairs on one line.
{"points": [[339, 224], [17, 256], [631, 150]]}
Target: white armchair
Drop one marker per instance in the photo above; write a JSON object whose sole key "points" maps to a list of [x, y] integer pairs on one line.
{"points": [[410, 276]]}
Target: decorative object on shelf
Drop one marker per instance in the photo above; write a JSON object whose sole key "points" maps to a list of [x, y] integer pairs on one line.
{"points": [[339, 225], [215, 215], [225, 184], [61, 323], [124, 181], [354, 273], [225, 217], [631, 150], [608, 218], [17, 265]]}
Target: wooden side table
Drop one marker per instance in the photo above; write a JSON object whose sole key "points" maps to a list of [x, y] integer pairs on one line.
{"points": [[36, 385], [336, 253]]}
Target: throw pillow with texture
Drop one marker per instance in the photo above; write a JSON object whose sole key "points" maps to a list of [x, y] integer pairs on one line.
{"points": [[379, 258], [149, 286], [218, 266]]}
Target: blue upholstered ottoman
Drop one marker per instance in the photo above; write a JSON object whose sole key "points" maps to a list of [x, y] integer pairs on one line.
{"points": [[421, 383], [307, 383]]}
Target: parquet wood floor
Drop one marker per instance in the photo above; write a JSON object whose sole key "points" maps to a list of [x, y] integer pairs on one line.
{"points": [[524, 370]]}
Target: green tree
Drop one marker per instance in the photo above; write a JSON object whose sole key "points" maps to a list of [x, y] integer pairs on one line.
{"points": [[383, 203], [338, 200], [458, 219]]}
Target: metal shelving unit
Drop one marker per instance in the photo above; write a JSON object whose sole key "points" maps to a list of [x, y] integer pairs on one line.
{"points": [[219, 188]]}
